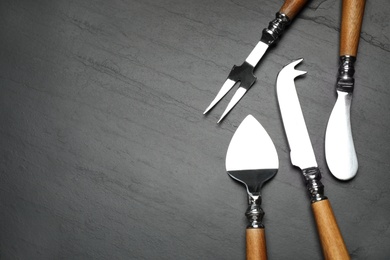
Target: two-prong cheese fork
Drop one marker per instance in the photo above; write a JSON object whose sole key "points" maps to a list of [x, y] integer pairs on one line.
{"points": [[244, 72]]}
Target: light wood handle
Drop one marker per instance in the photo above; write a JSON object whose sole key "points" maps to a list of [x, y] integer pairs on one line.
{"points": [[292, 7], [332, 242], [255, 244], [351, 24]]}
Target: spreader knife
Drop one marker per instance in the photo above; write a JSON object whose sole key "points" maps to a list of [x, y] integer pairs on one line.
{"points": [[244, 72], [252, 160], [339, 147], [302, 156]]}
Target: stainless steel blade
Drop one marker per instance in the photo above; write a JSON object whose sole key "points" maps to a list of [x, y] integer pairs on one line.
{"points": [[257, 53], [244, 72], [251, 159], [339, 147], [222, 92], [251, 148], [237, 96], [302, 154], [253, 58]]}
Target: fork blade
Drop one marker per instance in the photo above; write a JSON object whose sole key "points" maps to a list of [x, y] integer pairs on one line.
{"points": [[257, 53], [237, 96], [222, 92]]}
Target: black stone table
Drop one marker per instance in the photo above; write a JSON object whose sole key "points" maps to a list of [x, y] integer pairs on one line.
{"points": [[105, 152]]}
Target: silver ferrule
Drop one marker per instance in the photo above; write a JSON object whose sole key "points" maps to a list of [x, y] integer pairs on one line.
{"points": [[254, 212], [275, 29], [345, 80], [314, 185]]}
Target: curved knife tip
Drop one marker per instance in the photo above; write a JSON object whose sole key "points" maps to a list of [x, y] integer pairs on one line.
{"points": [[295, 62], [345, 178], [290, 69], [343, 172]]}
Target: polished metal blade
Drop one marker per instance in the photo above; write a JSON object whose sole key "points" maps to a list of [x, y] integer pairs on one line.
{"points": [[339, 147], [251, 148], [257, 53], [252, 160], [237, 96], [253, 58], [222, 92], [302, 154]]}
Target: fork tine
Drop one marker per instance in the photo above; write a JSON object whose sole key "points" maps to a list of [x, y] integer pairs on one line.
{"points": [[237, 96], [222, 92]]}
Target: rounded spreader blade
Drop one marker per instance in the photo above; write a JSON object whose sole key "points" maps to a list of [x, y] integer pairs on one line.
{"points": [[339, 148]]}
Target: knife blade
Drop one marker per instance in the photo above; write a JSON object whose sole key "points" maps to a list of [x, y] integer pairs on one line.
{"points": [[340, 151], [302, 156], [252, 159]]}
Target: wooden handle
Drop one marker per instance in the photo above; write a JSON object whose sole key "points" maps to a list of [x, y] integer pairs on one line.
{"points": [[292, 7], [332, 242], [351, 24], [255, 244]]}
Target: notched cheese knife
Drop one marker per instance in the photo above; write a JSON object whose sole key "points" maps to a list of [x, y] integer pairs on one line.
{"points": [[302, 156], [252, 160], [244, 72], [339, 147]]}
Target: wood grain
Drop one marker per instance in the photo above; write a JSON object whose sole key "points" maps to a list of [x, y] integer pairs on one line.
{"points": [[332, 242], [352, 18], [105, 152], [292, 7], [255, 244]]}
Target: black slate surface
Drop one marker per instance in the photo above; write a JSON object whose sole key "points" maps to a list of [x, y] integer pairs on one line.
{"points": [[105, 153]]}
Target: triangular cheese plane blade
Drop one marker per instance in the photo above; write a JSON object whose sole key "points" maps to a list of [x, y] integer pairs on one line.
{"points": [[252, 160]]}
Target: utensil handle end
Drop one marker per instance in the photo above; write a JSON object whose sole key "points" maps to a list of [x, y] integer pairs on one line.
{"points": [[332, 242], [292, 7], [255, 244], [351, 23]]}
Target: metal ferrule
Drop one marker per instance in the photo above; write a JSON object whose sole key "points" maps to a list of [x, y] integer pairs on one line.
{"points": [[345, 80], [275, 29], [313, 183], [254, 212]]}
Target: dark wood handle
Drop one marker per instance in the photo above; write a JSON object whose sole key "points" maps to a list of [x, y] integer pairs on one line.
{"points": [[351, 24], [292, 7], [255, 244], [332, 242]]}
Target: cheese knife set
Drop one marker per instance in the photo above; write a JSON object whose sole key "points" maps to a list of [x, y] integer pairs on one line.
{"points": [[251, 157]]}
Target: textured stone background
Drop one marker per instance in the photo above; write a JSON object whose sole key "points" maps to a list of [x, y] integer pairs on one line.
{"points": [[105, 153]]}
